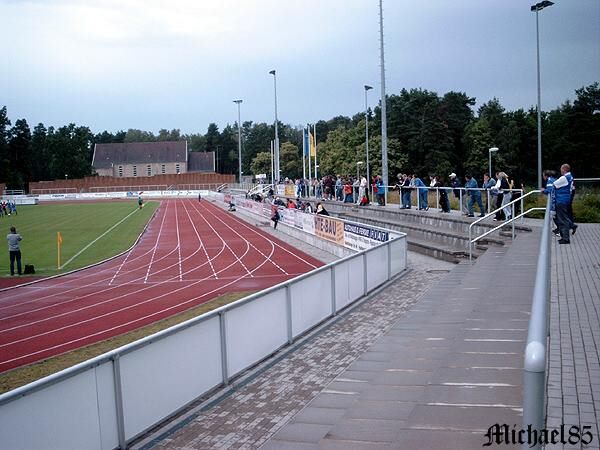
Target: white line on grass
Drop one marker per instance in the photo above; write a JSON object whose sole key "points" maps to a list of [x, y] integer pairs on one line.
{"points": [[98, 238]]}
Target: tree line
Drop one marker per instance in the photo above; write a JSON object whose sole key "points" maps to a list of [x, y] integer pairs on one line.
{"points": [[427, 134]]}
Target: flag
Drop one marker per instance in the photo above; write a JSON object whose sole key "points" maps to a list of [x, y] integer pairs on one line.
{"points": [[59, 238], [313, 147], [306, 144]]}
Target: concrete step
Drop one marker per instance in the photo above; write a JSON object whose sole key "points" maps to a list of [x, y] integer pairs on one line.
{"points": [[443, 236], [452, 222]]}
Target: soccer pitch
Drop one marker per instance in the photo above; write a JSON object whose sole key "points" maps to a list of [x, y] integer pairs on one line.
{"points": [[90, 233]]}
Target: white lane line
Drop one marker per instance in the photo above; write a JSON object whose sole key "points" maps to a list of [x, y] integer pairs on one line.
{"points": [[350, 380], [248, 242], [227, 245], [490, 353], [98, 238], [132, 282], [156, 244], [202, 246], [493, 340], [249, 228], [69, 280], [494, 329], [178, 241], [219, 288], [132, 250]]}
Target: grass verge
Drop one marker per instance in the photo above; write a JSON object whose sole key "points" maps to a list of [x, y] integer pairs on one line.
{"points": [[27, 374]]}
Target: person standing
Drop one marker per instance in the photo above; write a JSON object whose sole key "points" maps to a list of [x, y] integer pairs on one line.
{"points": [[474, 196], [562, 196], [488, 185], [14, 250]]}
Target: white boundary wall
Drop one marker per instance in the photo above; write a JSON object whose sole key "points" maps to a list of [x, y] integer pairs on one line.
{"points": [[108, 401]]}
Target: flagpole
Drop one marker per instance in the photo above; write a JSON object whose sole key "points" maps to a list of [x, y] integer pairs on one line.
{"points": [[58, 247], [309, 169], [315, 138], [303, 157]]}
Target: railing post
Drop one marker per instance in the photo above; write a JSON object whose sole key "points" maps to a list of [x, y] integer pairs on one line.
{"points": [[333, 300], [418, 199], [512, 216], [224, 366], [288, 302], [460, 206], [389, 259], [437, 198], [116, 364], [365, 274]]}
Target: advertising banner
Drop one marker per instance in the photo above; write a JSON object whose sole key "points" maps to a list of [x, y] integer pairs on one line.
{"points": [[329, 228]]}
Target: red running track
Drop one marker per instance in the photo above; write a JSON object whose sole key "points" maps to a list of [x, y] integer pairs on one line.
{"points": [[191, 253]]}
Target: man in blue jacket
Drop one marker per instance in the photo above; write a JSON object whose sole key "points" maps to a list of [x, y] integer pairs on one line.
{"points": [[474, 196], [562, 197]]}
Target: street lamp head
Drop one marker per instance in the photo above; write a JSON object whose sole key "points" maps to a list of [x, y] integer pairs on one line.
{"points": [[368, 88], [238, 101], [541, 5], [358, 163], [272, 72], [493, 149]]}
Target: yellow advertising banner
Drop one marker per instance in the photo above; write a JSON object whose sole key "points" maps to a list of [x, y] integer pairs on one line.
{"points": [[329, 228], [290, 190]]}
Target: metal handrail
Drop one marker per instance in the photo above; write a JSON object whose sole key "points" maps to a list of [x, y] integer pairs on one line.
{"points": [[511, 221], [534, 378]]}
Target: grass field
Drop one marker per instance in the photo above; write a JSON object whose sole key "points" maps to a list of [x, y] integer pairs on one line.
{"points": [[90, 232]]}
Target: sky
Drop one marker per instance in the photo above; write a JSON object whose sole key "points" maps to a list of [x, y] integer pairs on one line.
{"points": [[149, 64]]}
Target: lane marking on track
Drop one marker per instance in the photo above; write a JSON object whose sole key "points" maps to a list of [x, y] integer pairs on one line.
{"points": [[178, 241], [156, 244], [122, 296], [225, 242], [98, 238], [250, 243], [188, 285], [201, 241], [112, 288], [131, 251]]}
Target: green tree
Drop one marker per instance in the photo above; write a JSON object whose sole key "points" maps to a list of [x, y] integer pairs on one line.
{"points": [[261, 163], [290, 161], [19, 155], [134, 135], [39, 154], [4, 139]]}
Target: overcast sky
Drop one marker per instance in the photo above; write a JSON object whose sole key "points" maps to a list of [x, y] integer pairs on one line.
{"points": [[150, 64]]}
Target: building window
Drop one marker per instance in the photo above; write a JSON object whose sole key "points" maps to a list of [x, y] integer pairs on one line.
{"points": [[177, 168], [149, 170], [120, 171], [163, 169], [135, 171]]}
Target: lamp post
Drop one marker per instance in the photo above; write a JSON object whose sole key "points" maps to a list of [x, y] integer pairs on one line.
{"points": [[367, 88], [358, 163], [384, 149], [490, 151], [239, 141], [276, 150], [536, 8]]}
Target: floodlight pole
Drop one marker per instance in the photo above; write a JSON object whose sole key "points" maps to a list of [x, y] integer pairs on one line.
{"points": [[276, 150], [537, 8], [367, 88], [239, 141], [384, 155]]}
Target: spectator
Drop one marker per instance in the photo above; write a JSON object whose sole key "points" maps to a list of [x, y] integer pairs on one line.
{"points": [[500, 188], [321, 210], [380, 190], [474, 196], [562, 195], [488, 184], [444, 200], [348, 192], [338, 188], [422, 192], [14, 250]]}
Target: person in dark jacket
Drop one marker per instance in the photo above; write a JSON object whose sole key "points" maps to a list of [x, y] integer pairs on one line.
{"points": [[14, 250]]}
